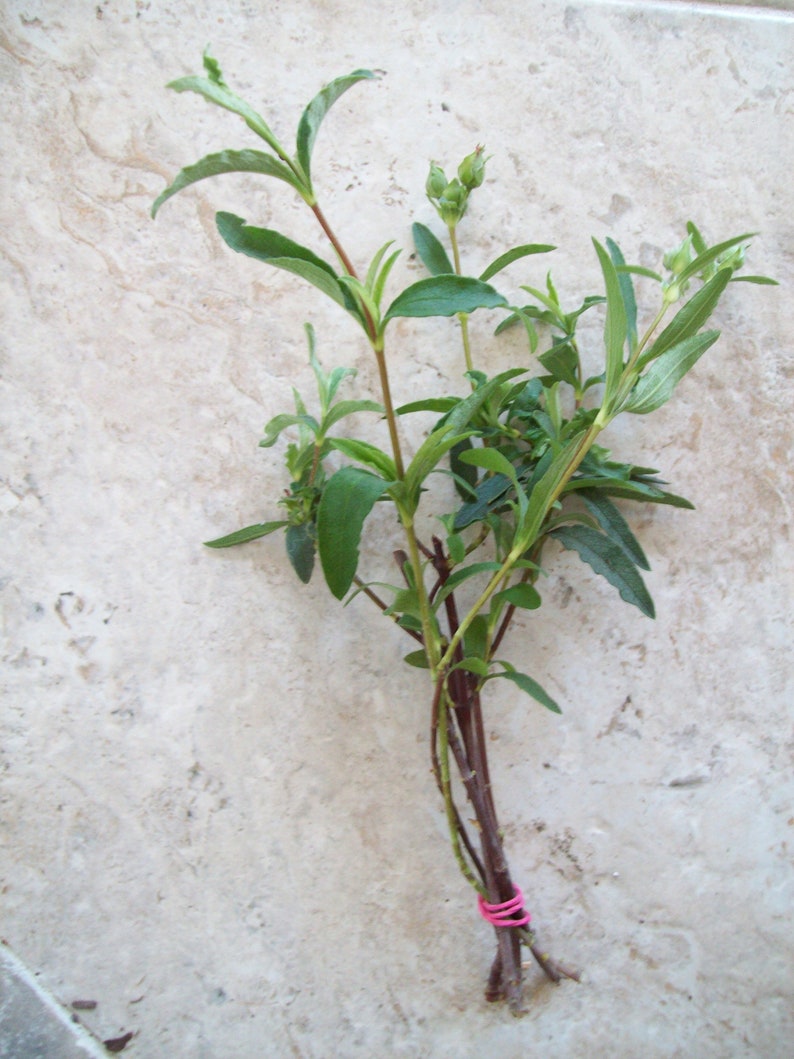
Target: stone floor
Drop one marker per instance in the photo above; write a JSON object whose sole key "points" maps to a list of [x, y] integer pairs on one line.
{"points": [[217, 820]]}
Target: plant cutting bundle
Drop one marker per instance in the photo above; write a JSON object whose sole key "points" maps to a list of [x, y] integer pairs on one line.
{"points": [[523, 453]]}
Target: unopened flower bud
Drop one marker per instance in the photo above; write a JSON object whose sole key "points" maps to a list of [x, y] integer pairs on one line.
{"points": [[436, 181], [732, 259], [676, 260], [673, 289], [452, 203], [472, 169]]}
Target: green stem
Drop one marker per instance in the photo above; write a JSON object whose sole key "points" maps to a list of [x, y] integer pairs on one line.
{"points": [[463, 317], [520, 549]]}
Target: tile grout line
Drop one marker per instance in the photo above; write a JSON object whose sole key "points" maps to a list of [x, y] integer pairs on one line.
{"points": [[747, 12], [83, 1037]]}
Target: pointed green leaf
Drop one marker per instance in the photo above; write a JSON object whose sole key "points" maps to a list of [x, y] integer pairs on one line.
{"points": [[435, 446], [433, 255], [241, 536], [615, 325], [363, 452], [315, 112], [544, 491], [281, 422], [562, 362], [300, 550], [531, 687], [689, 318], [522, 595], [429, 404], [463, 574], [464, 411], [609, 560], [347, 499], [626, 291], [226, 162], [417, 659], [655, 387], [615, 526], [488, 492], [762, 280], [215, 90], [444, 296], [709, 256], [491, 460], [628, 490], [514, 255], [345, 408], [478, 666], [476, 637], [263, 244]]}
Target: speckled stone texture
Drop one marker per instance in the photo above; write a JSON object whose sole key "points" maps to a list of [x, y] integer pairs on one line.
{"points": [[218, 817]]}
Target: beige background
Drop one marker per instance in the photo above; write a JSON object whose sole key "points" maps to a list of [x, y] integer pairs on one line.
{"points": [[217, 813]]}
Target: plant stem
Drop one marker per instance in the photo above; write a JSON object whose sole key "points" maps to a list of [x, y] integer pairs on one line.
{"points": [[518, 550], [462, 317]]}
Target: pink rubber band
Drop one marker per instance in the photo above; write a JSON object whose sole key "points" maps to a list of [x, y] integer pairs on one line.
{"points": [[500, 915]]}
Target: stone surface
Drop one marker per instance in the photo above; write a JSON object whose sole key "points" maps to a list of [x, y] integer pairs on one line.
{"points": [[33, 1025], [218, 818]]}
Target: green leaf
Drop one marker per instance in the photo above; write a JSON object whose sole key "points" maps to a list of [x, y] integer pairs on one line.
{"points": [[655, 387], [363, 452], [562, 362], [477, 666], [689, 318], [315, 112], [638, 270], [429, 404], [628, 490], [543, 492], [444, 296], [263, 244], [281, 422], [766, 281], [709, 256], [433, 255], [626, 292], [433, 448], [342, 409], [488, 491], [463, 574], [464, 411], [464, 474], [215, 90], [530, 686], [491, 460], [514, 255], [615, 325], [417, 659], [615, 526], [250, 533], [609, 560], [456, 547], [347, 499], [226, 162], [521, 595], [300, 550], [476, 638]]}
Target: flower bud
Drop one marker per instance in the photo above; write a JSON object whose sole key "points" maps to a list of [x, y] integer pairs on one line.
{"points": [[452, 203], [436, 181], [676, 260], [471, 170], [732, 259]]}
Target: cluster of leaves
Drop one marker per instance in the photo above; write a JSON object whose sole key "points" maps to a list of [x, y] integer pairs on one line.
{"points": [[522, 452]]}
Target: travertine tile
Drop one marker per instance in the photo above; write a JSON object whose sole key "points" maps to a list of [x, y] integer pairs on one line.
{"points": [[218, 817]]}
